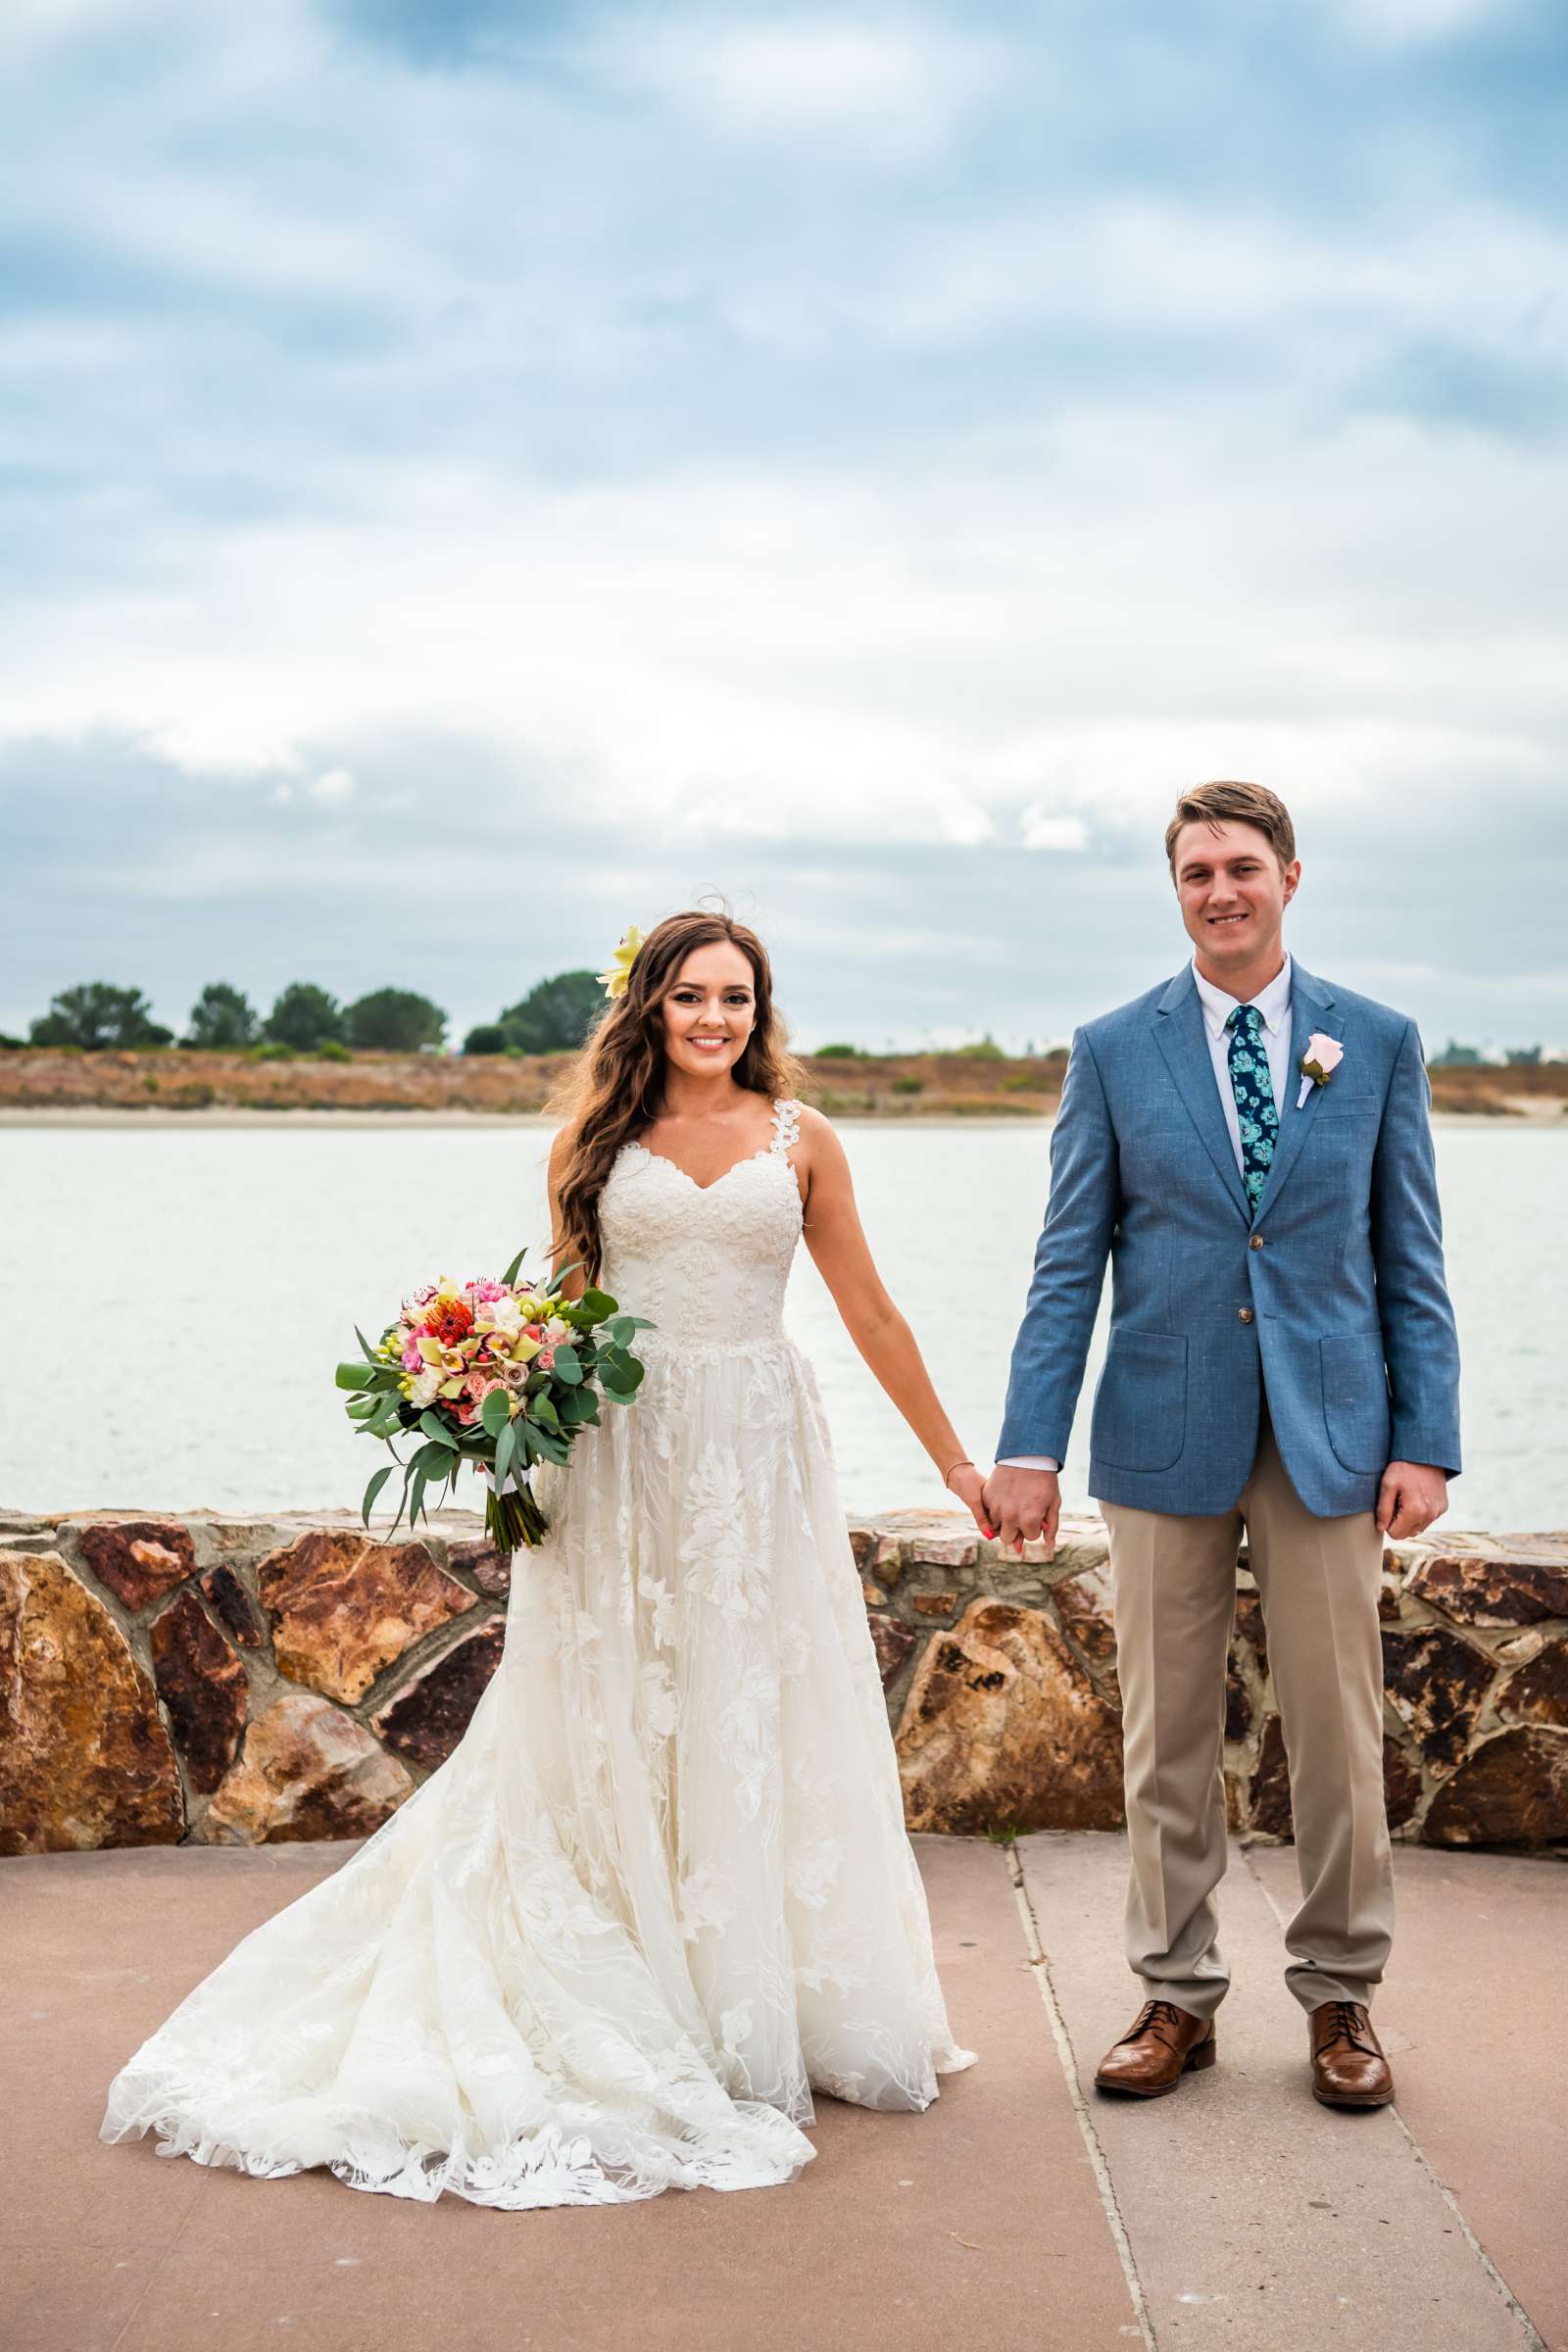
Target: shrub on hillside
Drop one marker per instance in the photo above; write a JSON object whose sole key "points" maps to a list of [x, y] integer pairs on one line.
{"points": [[485, 1037], [97, 1014], [223, 1020], [303, 1016], [394, 1020]]}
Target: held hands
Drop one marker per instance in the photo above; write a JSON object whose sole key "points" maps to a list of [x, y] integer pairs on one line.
{"points": [[1412, 1495], [1021, 1504], [966, 1486]]}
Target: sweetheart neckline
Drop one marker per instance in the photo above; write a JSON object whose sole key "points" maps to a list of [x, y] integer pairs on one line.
{"points": [[748, 1159]]}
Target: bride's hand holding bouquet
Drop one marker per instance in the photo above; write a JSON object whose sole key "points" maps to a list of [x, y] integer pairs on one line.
{"points": [[493, 1375]]}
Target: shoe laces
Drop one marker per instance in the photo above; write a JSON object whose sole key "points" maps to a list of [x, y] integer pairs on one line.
{"points": [[1152, 2016], [1345, 2025]]}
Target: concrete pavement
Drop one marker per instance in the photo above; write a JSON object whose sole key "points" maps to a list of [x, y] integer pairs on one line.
{"points": [[1021, 2211]]}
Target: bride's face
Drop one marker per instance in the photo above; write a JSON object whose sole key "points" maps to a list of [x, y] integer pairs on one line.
{"points": [[709, 1010]]}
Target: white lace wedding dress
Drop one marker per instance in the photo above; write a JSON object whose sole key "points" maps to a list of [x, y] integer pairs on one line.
{"points": [[662, 1888]]}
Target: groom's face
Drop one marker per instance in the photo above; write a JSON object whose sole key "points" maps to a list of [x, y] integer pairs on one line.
{"points": [[1232, 892]]}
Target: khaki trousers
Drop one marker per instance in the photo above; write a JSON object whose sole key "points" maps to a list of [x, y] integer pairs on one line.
{"points": [[1174, 1583]]}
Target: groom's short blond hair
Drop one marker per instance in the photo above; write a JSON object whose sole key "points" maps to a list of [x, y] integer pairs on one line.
{"points": [[1234, 803]]}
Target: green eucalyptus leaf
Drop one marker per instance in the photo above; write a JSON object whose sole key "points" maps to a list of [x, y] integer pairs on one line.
{"points": [[436, 1428], [510, 1274], [372, 1491], [505, 1450], [495, 1411], [566, 1367]]}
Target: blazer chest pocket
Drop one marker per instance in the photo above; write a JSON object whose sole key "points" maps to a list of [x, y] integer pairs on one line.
{"points": [[1140, 1420], [1355, 1398]]}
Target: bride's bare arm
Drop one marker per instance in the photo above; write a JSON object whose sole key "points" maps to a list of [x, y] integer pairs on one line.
{"points": [[836, 1239]]}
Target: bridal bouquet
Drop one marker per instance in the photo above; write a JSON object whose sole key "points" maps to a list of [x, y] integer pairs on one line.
{"points": [[497, 1375]]}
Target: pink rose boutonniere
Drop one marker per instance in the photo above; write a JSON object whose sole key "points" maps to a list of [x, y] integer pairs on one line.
{"points": [[1319, 1063]]}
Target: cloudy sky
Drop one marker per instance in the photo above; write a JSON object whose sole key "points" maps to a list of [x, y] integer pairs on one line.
{"points": [[474, 473]]}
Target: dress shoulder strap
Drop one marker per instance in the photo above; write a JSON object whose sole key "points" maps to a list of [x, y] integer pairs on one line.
{"points": [[786, 1126]]}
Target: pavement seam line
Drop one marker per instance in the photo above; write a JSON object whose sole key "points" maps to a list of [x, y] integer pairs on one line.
{"points": [[161, 2264], [1533, 2337], [1039, 1969]]}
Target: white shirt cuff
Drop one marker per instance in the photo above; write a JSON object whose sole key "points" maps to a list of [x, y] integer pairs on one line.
{"points": [[1028, 1461]]}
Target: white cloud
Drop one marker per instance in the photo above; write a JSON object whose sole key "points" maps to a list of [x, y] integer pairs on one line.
{"points": [[335, 784], [1039, 831], [1397, 24], [889, 90]]}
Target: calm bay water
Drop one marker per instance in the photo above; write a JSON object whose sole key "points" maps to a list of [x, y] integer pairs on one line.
{"points": [[207, 1278]]}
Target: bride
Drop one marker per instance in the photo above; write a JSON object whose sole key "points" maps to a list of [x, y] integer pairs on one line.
{"points": [[661, 1890]]}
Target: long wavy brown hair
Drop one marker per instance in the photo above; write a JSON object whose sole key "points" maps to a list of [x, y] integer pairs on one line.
{"points": [[616, 1087]]}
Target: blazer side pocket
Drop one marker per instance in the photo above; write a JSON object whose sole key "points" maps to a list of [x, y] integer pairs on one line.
{"points": [[1355, 1398], [1140, 1419]]}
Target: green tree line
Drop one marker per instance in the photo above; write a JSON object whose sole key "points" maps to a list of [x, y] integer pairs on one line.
{"points": [[555, 1016]]}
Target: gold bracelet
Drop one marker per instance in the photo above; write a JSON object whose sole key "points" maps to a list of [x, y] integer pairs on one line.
{"points": [[963, 1464]]}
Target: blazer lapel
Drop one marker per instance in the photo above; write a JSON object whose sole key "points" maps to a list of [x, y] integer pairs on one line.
{"points": [[1308, 999], [1184, 1040]]}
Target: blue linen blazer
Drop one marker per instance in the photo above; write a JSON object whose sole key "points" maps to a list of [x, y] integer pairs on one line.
{"points": [[1331, 1300]]}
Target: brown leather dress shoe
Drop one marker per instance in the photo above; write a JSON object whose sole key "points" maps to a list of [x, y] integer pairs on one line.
{"points": [[1161, 2044], [1348, 2068]]}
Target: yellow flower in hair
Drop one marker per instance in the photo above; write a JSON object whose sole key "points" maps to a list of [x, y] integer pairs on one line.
{"points": [[617, 979]]}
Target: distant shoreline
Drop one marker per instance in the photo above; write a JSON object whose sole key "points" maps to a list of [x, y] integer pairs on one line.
{"points": [[1542, 1118], [176, 1087]]}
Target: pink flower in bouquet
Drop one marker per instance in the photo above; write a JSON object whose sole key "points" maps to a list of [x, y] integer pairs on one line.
{"points": [[412, 1360], [483, 1292], [544, 1359]]}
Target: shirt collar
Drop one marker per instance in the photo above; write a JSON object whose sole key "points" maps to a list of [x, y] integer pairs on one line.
{"points": [[1273, 1002]]}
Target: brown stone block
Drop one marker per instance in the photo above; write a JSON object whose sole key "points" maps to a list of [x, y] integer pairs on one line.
{"points": [[1538, 1690], [1003, 1728], [893, 1643], [873, 1594], [430, 1714], [203, 1684], [307, 1771], [1238, 1707], [231, 1603], [935, 1604], [1520, 1588], [1437, 1684], [1250, 1628], [1513, 1790], [1084, 1605], [862, 1543], [1402, 1784], [85, 1759], [343, 1607], [138, 1559], [1269, 1800], [491, 1570]]}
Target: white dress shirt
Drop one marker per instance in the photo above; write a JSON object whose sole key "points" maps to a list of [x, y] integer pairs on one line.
{"points": [[1274, 1004]]}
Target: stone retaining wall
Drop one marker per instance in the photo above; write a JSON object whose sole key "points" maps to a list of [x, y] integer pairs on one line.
{"points": [[225, 1680]]}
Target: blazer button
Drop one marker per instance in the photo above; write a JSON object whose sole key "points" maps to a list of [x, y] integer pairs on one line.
{"points": [[1244, 1314], [1255, 1241]]}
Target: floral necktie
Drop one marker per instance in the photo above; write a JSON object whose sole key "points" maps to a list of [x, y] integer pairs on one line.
{"points": [[1253, 1089]]}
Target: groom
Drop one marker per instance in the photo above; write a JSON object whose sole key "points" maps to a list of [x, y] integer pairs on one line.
{"points": [[1252, 1148]]}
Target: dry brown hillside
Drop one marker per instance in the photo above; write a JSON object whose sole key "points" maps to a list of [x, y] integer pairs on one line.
{"points": [[894, 1086]]}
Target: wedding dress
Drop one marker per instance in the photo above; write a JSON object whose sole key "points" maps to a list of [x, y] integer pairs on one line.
{"points": [[662, 1888]]}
